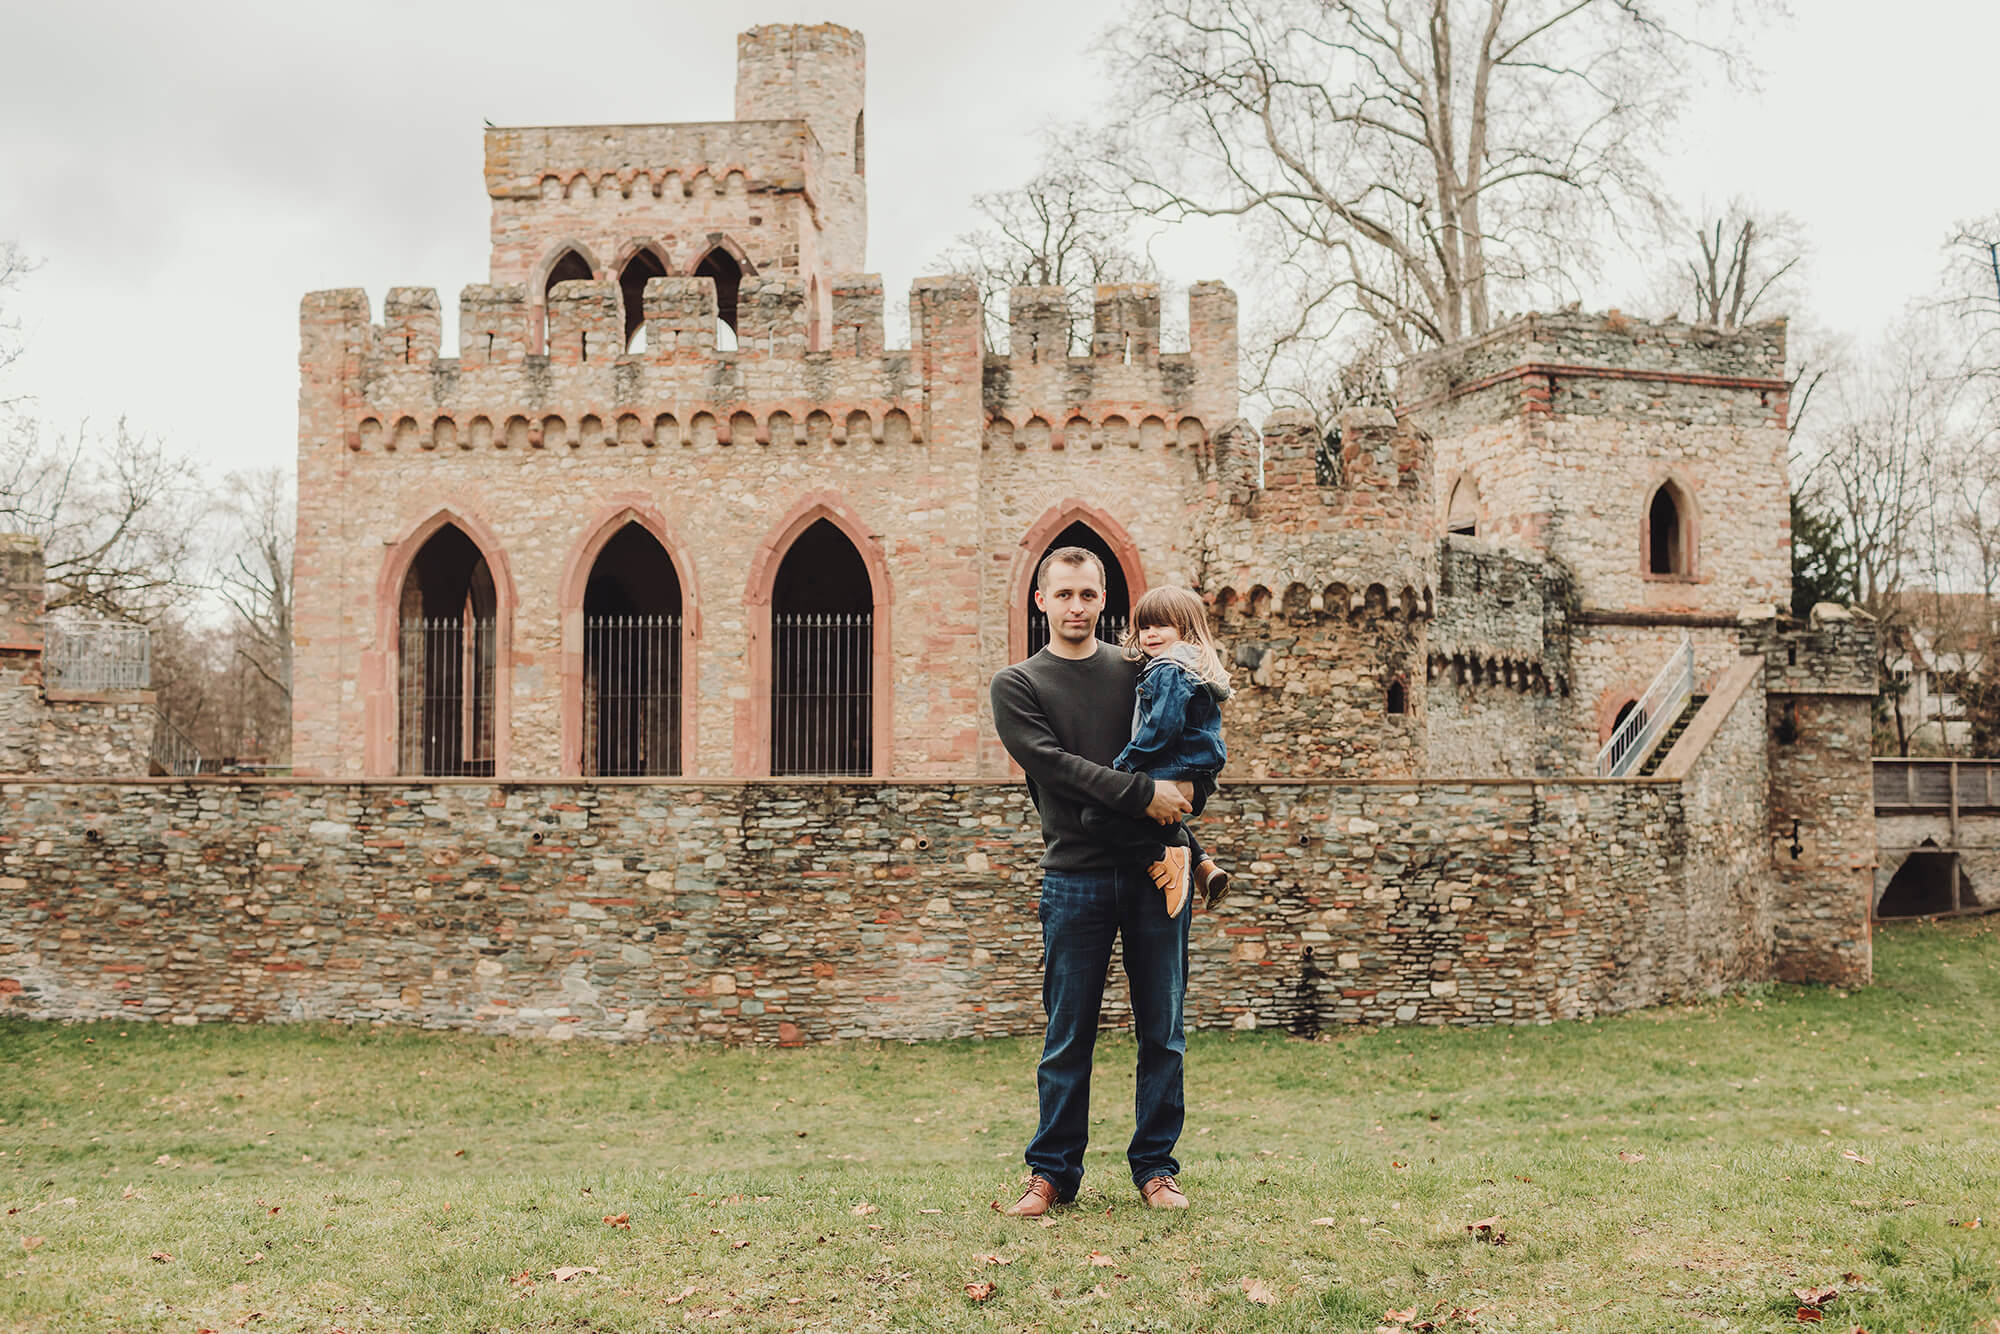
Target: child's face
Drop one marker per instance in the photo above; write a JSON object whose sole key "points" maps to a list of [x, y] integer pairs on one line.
{"points": [[1157, 639]]}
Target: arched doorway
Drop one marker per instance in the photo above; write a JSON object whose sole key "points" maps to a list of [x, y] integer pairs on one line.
{"points": [[1668, 533], [632, 659], [1117, 591], [447, 660], [822, 657]]}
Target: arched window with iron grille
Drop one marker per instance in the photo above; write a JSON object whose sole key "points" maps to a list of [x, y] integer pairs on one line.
{"points": [[632, 659], [447, 660], [822, 657]]}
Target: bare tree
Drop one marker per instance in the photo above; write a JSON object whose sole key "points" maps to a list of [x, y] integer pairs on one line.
{"points": [[255, 578], [120, 519], [1742, 261], [1972, 291], [13, 264], [1419, 159], [1059, 229]]}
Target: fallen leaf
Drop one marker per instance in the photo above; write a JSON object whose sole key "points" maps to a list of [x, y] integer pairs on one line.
{"points": [[1395, 1317], [564, 1273], [863, 1209], [619, 1221], [1326, 1222], [1260, 1292], [458, 1153], [993, 1259], [1970, 1222], [1631, 1156], [980, 1292], [738, 1245], [1100, 1259], [1853, 1157], [524, 1279], [1809, 1314], [162, 1257], [244, 1320], [685, 1293], [930, 1211], [30, 1243], [1851, 1277], [1488, 1229], [255, 1258], [1046, 1221], [1816, 1296]]}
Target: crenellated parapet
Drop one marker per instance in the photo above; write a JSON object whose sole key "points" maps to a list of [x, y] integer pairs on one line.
{"points": [[386, 387], [1124, 392]]}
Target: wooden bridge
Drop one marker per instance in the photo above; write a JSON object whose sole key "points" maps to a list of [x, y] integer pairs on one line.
{"points": [[1937, 831]]}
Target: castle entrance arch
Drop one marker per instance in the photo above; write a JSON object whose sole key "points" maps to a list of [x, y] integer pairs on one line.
{"points": [[823, 659], [1074, 525], [632, 642], [447, 660]]}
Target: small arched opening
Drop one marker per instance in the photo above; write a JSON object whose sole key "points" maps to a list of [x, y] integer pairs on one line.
{"points": [[1668, 537], [632, 659], [861, 143], [719, 266], [569, 267], [1399, 698], [822, 657], [1117, 590], [1462, 511], [1926, 884], [642, 268], [447, 660]]}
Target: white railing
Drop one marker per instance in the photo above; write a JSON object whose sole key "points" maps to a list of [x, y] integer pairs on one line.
{"points": [[97, 655], [1633, 739]]}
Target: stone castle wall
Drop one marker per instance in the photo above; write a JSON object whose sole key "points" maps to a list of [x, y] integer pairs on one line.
{"points": [[780, 912]]}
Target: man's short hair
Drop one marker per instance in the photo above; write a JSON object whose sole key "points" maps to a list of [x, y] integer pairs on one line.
{"points": [[1070, 556]]}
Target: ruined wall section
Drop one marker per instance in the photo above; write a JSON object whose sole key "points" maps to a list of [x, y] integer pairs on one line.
{"points": [[1820, 679], [1318, 559], [23, 594], [1500, 664], [792, 912]]}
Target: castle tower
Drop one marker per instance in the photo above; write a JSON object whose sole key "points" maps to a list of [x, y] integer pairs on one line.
{"points": [[777, 192], [1642, 465]]}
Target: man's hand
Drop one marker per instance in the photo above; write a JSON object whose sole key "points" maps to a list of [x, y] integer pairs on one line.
{"points": [[1168, 804]]}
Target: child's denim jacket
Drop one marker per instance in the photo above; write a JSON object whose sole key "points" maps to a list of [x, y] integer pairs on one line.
{"points": [[1176, 722]]}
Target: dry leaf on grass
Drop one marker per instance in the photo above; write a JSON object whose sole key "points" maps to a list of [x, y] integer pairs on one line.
{"points": [[1853, 1157], [993, 1259], [564, 1273], [1816, 1296], [524, 1279], [1631, 1156], [1326, 1222], [685, 1293], [980, 1292], [1046, 1221], [619, 1220], [1809, 1314], [31, 1243], [1100, 1259], [863, 1209], [1260, 1292], [162, 1257], [1488, 1229], [1395, 1317]]}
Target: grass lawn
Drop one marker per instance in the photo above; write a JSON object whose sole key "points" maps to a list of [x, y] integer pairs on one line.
{"points": [[1675, 1169]]}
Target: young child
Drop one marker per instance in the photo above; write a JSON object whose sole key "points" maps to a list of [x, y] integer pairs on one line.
{"points": [[1177, 738]]}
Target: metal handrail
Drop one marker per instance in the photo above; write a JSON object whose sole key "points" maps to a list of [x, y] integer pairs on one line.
{"points": [[80, 654], [172, 753], [1632, 740]]}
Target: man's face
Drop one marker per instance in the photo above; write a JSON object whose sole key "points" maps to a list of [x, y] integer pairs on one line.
{"points": [[1073, 598]]}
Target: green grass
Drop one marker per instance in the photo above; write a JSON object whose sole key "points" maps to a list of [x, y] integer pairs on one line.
{"points": [[1680, 1169]]}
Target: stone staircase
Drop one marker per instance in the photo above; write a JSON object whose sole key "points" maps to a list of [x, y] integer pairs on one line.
{"points": [[1671, 735]]}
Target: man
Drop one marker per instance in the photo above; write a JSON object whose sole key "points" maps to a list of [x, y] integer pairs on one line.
{"points": [[1064, 715]]}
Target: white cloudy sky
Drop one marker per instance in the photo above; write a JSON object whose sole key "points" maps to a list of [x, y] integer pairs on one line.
{"points": [[183, 172]]}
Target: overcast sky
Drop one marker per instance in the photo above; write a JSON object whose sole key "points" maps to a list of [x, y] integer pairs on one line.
{"points": [[184, 172]]}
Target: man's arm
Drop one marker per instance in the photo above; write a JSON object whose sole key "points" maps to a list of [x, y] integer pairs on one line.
{"points": [[1025, 732]]}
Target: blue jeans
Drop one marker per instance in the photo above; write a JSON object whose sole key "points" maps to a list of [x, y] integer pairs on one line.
{"points": [[1083, 912]]}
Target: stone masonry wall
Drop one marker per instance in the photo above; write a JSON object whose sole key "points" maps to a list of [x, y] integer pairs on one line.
{"points": [[1313, 693], [1500, 664], [793, 912], [1724, 923]]}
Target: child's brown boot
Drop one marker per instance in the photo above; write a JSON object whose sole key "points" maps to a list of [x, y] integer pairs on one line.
{"points": [[1170, 873], [1213, 882]]}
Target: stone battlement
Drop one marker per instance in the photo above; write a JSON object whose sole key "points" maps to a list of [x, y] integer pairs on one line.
{"points": [[769, 157], [396, 392]]}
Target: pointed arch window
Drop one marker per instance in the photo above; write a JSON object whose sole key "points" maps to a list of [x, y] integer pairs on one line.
{"points": [[1667, 534], [822, 657], [1117, 591], [447, 660], [721, 267], [642, 268], [632, 609], [569, 267], [1462, 511]]}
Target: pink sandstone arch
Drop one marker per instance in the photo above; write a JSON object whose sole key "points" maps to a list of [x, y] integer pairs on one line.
{"points": [[753, 716], [1690, 516], [1021, 579], [602, 527], [379, 665], [724, 243]]}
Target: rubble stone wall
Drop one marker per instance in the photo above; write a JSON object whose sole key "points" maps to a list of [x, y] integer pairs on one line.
{"points": [[784, 912]]}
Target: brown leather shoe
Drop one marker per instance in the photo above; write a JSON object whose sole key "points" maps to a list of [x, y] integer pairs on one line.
{"points": [[1162, 1193], [1170, 873], [1213, 882], [1038, 1199]]}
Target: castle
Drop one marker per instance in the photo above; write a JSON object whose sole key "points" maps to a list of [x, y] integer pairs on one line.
{"points": [[1523, 732]]}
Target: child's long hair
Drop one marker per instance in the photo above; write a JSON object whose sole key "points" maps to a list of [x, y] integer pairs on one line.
{"points": [[1182, 610]]}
